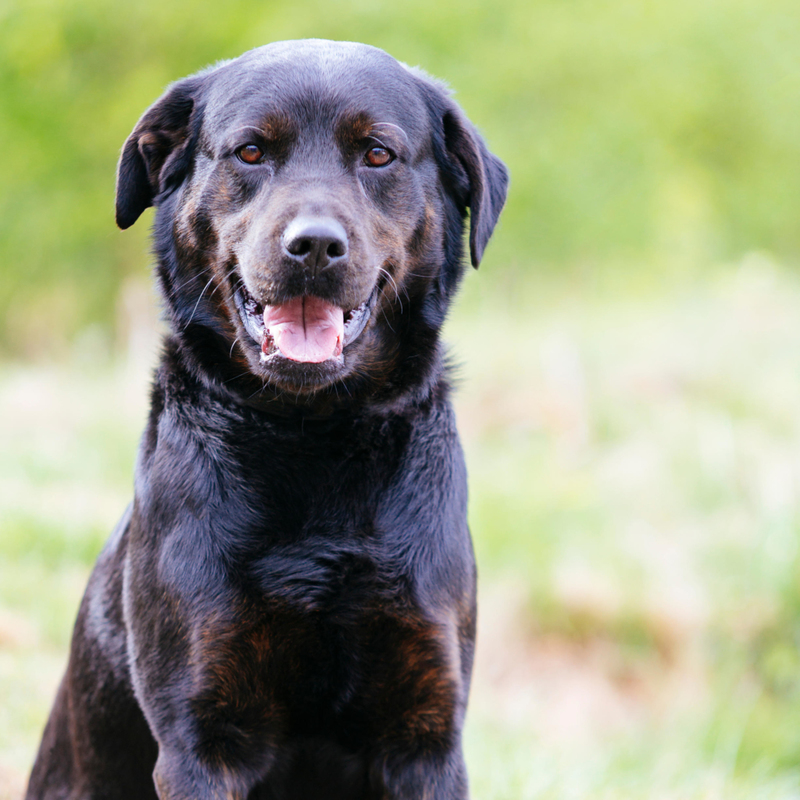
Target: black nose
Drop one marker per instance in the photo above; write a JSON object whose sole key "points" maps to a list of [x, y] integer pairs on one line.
{"points": [[316, 242]]}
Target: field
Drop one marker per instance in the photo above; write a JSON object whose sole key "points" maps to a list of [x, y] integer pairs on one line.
{"points": [[627, 362], [634, 478]]}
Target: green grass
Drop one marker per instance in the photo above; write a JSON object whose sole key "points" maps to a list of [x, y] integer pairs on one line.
{"points": [[635, 483], [634, 502]]}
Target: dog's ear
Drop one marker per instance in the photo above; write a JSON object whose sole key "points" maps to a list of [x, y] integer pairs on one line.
{"points": [[157, 155], [487, 179], [478, 179]]}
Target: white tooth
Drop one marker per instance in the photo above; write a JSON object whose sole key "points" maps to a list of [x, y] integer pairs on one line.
{"points": [[355, 324]]}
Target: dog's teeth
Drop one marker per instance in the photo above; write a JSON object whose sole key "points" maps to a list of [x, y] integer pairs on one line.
{"points": [[248, 313], [356, 323]]}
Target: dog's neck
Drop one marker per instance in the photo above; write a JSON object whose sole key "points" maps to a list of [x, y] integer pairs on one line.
{"points": [[182, 373]]}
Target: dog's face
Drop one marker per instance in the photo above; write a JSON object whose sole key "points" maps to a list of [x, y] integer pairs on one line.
{"points": [[311, 197]]}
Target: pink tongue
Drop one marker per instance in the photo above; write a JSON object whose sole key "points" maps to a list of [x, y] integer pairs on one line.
{"points": [[306, 329]]}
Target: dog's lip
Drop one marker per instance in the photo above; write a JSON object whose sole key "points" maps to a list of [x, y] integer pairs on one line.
{"points": [[251, 313]]}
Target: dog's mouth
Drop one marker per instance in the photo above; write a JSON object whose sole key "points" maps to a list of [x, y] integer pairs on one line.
{"points": [[305, 329]]}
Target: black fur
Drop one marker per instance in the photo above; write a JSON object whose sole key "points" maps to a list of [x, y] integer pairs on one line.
{"points": [[287, 608]]}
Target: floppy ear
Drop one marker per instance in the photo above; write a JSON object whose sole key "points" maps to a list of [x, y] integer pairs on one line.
{"points": [[487, 179], [477, 179], [156, 156]]}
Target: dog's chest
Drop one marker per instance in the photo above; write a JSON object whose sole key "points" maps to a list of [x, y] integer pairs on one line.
{"points": [[341, 654], [298, 564]]}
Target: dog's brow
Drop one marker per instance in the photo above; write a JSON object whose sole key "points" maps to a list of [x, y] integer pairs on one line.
{"points": [[248, 128], [274, 128], [376, 126]]}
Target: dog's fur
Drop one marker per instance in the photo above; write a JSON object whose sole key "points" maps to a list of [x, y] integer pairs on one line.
{"points": [[287, 608]]}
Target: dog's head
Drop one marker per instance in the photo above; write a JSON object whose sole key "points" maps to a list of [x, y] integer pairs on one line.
{"points": [[311, 198]]}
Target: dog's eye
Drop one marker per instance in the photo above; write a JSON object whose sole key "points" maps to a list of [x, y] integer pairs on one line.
{"points": [[250, 154], [378, 157]]}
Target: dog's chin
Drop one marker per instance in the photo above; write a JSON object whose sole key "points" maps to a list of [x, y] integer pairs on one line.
{"points": [[303, 373]]}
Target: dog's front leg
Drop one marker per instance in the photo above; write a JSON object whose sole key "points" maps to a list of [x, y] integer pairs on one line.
{"points": [[206, 749], [180, 776], [440, 776], [213, 735]]}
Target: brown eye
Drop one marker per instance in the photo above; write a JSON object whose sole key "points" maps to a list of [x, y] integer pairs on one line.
{"points": [[250, 154], [378, 157]]}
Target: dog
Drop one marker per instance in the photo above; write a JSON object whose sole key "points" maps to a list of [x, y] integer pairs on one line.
{"points": [[287, 608]]}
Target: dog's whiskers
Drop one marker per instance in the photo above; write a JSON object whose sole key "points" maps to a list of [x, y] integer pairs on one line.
{"points": [[386, 320], [224, 278], [191, 316], [394, 285]]}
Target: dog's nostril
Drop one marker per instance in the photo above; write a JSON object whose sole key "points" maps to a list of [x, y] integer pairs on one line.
{"points": [[336, 249], [299, 247]]}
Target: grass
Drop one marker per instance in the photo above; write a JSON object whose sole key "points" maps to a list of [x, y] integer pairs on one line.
{"points": [[634, 503]]}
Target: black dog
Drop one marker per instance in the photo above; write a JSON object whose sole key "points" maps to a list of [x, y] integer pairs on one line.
{"points": [[287, 609]]}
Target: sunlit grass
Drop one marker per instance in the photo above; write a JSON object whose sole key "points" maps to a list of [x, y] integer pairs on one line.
{"points": [[634, 481]]}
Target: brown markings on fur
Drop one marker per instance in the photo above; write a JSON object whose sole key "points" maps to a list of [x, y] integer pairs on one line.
{"points": [[278, 128], [234, 701], [411, 258], [195, 236], [352, 129], [415, 691], [233, 657], [427, 241], [276, 133], [221, 200], [184, 224], [252, 665], [206, 233], [415, 251]]}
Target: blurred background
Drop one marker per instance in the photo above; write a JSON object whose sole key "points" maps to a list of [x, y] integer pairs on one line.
{"points": [[629, 394]]}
